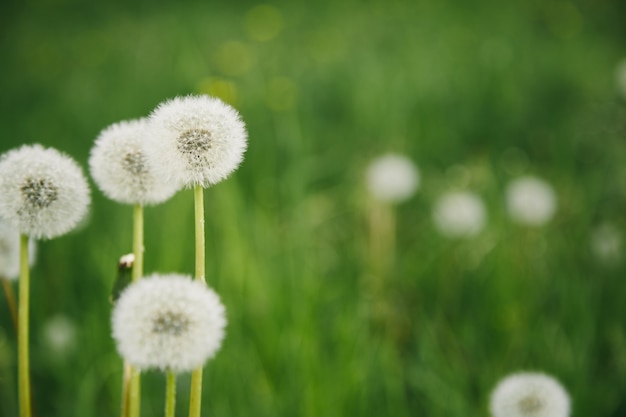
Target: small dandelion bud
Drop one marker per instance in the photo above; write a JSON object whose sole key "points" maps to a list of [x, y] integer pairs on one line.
{"points": [[196, 140], [44, 192], [530, 201], [529, 394], [169, 322], [392, 178], [459, 214], [10, 251], [121, 169]]}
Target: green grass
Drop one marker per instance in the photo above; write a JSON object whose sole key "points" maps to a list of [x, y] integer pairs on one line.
{"points": [[498, 89]]}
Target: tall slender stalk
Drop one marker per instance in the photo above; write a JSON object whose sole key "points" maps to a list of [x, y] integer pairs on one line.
{"points": [[195, 398], [8, 292], [131, 386], [22, 331], [170, 395], [135, 381]]}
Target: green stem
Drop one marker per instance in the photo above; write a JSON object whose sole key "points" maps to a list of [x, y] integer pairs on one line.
{"points": [[132, 376], [170, 396], [196, 376], [22, 331]]}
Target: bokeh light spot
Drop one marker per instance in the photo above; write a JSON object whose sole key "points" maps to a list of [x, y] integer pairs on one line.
{"points": [[235, 58], [264, 22]]}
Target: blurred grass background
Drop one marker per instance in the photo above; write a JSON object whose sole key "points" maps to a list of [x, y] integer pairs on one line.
{"points": [[475, 93]]}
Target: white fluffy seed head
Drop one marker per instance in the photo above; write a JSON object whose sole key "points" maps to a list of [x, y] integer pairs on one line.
{"points": [[392, 178], [530, 201], [59, 335], [10, 251], [44, 192], [529, 394], [120, 167], [169, 322], [459, 214], [196, 140]]}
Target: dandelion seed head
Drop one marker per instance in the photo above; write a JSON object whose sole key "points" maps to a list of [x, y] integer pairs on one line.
{"points": [[530, 201], [606, 243], [45, 193], [620, 78], [196, 140], [121, 169], [459, 214], [169, 322], [392, 178], [529, 394]]}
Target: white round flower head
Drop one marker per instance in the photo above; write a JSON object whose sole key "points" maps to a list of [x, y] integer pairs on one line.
{"points": [[606, 243], [196, 140], [392, 178], [530, 201], [529, 394], [169, 322], [121, 169], [44, 192], [459, 214], [10, 251]]}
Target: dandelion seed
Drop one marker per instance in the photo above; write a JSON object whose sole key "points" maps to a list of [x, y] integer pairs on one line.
{"points": [[606, 243], [45, 193], [529, 394], [169, 322], [196, 140], [10, 251], [530, 201], [459, 214], [392, 178]]}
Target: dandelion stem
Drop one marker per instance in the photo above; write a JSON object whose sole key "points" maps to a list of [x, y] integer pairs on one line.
{"points": [[134, 396], [22, 332], [8, 292], [170, 396], [196, 376]]}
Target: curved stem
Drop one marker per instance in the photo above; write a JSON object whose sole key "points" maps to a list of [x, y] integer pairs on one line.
{"points": [[195, 399], [22, 331], [170, 395]]}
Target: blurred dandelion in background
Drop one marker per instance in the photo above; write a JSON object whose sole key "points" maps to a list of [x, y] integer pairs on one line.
{"points": [[392, 178], [59, 335], [10, 251], [620, 78], [529, 394], [606, 243], [459, 214], [530, 201]]}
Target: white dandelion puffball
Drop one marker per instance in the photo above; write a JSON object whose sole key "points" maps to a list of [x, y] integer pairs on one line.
{"points": [[392, 178], [169, 322], [606, 243], [459, 214], [44, 192], [529, 394], [530, 201], [196, 140], [121, 169], [10, 251]]}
